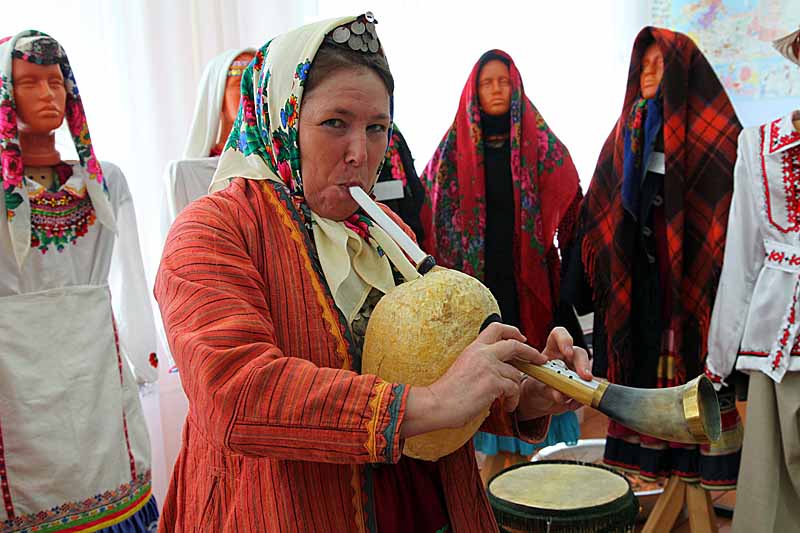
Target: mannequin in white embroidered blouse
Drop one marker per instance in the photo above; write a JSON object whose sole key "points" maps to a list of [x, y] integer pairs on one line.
{"points": [[754, 325], [75, 343]]}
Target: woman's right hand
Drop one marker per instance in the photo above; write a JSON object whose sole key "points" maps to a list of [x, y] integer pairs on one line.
{"points": [[478, 377]]}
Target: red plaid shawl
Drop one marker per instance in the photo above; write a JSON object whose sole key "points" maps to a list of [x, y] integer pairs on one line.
{"points": [[700, 136]]}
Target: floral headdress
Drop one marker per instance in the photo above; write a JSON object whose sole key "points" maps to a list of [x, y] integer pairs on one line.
{"points": [[37, 47]]}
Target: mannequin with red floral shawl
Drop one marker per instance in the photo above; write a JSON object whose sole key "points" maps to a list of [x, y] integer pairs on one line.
{"points": [[501, 186]]}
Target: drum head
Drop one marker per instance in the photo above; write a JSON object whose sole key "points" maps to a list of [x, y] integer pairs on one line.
{"points": [[567, 495], [559, 486]]}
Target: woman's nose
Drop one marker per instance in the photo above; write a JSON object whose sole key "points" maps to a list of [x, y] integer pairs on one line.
{"points": [[357, 149]]}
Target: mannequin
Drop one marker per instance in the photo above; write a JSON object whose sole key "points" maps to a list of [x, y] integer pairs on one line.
{"points": [[651, 241], [41, 99], [217, 103], [652, 71], [230, 102], [75, 448], [524, 188], [753, 326], [494, 88]]}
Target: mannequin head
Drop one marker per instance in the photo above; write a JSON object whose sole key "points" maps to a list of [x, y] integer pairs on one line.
{"points": [[494, 88], [40, 97], [652, 71], [230, 103]]}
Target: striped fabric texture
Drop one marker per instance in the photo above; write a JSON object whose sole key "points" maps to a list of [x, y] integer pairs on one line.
{"points": [[282, 427]]}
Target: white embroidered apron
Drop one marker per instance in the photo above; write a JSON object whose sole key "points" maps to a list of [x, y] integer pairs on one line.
{"points": [[75, 448]]}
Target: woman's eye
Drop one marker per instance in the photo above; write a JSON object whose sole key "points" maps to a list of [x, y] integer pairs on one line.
{"points": [[380, 128], [334, 123]]}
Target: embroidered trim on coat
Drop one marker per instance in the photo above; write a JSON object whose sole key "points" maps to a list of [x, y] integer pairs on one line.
{"points": [[788, 331], [374, 421], [778, 141], [790, 164], [783, 259]]}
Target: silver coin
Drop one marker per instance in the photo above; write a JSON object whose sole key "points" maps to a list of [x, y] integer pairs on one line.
{"points": [[369, 16], [355, 42], [365, 47], [367, 36], [357, 27], [341, 34], [374, 46], [371, 27]]}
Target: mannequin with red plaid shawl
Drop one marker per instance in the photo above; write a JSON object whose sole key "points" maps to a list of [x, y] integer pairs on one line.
{"points": [[651, 249]]}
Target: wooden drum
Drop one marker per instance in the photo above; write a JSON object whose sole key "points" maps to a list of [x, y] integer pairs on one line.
{"points": [[564, 497]]}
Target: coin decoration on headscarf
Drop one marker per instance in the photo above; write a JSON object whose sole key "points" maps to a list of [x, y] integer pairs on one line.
{"points": [[355, 42], [341, 35], [358, 27], [358, 35]]}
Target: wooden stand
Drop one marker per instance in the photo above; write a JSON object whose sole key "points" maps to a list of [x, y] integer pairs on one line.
{"points": [[678, 494]]}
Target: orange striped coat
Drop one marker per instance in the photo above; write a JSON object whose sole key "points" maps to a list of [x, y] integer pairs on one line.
{"points": [[281, 425]]}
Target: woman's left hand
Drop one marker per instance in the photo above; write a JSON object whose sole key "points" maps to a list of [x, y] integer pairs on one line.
{"points": [[536, 398]]}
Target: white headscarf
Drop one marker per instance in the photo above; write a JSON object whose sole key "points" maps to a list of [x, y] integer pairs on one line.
{"points": [[210, 94]]}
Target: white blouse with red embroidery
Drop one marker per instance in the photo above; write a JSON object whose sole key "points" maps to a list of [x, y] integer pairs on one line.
{"points": [[754, 325]]}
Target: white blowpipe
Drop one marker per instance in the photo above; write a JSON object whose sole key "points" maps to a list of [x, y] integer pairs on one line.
{"points": [[389, 226]]}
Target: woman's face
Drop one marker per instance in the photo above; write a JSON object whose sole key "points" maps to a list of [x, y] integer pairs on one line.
{"points": [[652, 71], [494, 88], [343, 125]]}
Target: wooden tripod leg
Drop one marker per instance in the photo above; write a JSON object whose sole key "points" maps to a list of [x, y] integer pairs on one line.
{"points": [[701, 511], [667, 508]]}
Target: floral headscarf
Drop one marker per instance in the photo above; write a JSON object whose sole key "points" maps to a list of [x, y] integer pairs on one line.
{"points": [[264, 145], [40, 48], [546, 190]]}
